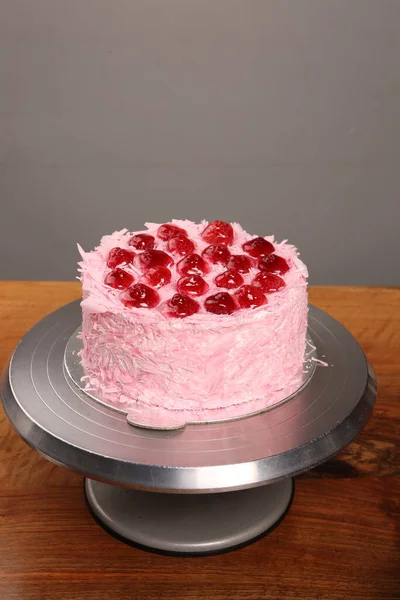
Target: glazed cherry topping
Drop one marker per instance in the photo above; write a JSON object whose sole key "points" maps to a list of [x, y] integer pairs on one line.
{"points": [[142, 296], [218, 232], [119, 279], [249, 296], [273, 264], [240, 263], [180, 244], [217, 253], [181, 306], [142, 241], [258, 247], [119, 256], [193, 285], [268, 282], [154, 258], [167, 231], [192, 265], [157, 276], [229, 279], [220, 304]]}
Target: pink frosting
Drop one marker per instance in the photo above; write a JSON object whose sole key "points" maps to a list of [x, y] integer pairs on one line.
{"points": [[204, 367]]}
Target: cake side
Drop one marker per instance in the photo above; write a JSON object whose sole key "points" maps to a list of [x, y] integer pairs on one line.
{"points": [[142, 357]]}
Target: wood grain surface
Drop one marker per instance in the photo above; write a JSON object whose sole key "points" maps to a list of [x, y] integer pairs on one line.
{"points": [[339, 541]]}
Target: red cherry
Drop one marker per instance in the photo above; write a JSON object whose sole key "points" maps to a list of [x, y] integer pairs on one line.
{"points": [[268, 282], [229, 279], [249, 296], [167, 231], [142, 296], [119, 279], [193, 285], [119, 256], [192, 265], [240, 263], [180, 244], [142, 241], [258, 247], [157, 276], [180, 306], [273, 264], [217, 254], [218, 232], [154, 258], [220, 304]]}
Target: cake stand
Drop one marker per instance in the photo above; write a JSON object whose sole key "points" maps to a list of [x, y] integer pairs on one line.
{"points": [[203, 489]]}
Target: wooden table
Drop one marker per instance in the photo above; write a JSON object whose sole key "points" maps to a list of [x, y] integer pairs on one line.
{"points": [[338, 541]]}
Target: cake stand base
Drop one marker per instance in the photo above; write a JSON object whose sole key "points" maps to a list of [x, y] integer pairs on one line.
{"points": [[189, 524]]}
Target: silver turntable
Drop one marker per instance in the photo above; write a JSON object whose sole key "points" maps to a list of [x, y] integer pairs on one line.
{"points": [[203, 489]]}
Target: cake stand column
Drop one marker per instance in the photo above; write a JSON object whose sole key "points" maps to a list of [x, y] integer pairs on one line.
{"points": [[189, 524]]}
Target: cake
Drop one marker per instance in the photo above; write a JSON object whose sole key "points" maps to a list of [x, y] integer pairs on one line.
{"points": [[186, 322]]}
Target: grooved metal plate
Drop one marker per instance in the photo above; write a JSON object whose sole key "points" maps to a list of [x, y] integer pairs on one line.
{"points": [[66, 425]]}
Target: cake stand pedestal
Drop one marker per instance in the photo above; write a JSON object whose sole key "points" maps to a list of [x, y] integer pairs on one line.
{"points": [[204, 489], [189, 524]]}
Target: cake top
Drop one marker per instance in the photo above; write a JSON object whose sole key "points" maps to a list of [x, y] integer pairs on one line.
{"points": [[182, 270]]}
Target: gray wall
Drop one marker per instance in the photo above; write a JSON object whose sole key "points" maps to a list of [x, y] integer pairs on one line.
{"points": [[281, 114]]}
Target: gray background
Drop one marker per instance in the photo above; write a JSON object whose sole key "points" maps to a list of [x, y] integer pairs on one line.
{"points": [[281, 114]]}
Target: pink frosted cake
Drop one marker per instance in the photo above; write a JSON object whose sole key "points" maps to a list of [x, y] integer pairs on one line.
{"points": [[189, 322]]}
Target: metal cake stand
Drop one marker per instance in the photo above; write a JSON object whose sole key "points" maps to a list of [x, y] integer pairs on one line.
{"points": [[204, 489]]}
